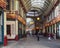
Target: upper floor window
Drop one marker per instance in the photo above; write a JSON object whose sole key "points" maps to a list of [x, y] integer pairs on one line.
{"points": [[57, 10], [8, 6], [12, 4]]}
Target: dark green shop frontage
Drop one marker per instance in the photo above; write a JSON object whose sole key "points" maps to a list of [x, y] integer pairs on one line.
{"points": [[1, 26], [58, 30], [21, 33]]}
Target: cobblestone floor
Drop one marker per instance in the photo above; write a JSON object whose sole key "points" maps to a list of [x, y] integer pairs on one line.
{"points": [[31, 42]]}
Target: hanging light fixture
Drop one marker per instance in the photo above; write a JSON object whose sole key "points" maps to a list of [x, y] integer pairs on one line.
{"points": [[38, 18]]}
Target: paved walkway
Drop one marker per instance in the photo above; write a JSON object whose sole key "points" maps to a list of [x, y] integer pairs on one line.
{"points": [[31, 42]]}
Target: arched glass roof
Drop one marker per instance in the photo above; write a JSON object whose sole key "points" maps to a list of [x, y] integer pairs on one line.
{"points": [[40, 6]]}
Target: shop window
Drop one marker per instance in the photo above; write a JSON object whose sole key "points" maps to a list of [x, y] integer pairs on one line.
{"points": [[8, 29]]}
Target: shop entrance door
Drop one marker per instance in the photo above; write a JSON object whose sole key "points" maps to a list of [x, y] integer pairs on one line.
{"points": [[9, 30]]}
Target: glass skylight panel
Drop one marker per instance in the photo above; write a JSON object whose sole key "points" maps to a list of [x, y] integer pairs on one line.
{"points": [[37, 3], [32, 14], [28, 19]]}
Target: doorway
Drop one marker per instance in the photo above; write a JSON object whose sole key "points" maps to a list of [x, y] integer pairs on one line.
{"points": [[9, 30]]}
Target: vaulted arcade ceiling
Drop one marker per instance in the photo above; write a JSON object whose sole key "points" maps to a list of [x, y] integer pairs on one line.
{"points": [[39, 8]]}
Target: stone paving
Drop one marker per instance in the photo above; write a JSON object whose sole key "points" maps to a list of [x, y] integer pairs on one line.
{"points": [[31, 42]]}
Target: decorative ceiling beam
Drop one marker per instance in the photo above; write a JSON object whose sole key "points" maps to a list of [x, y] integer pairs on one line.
{"points": [[57, 2], [32, 16], [23, 6], [38, 9], [3, 4], [26, 5]]}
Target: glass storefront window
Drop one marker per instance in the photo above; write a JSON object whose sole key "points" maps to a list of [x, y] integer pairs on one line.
{"points": [[51, 28], [58, 30], [1, 26], [19, 29]]}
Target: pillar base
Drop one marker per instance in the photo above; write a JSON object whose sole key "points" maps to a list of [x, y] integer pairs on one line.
{"points": [[16, 38], [5, 40]]}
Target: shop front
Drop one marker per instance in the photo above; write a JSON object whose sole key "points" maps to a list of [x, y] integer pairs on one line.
{"points": [[19, 30], [11, 30], [58, 30]]}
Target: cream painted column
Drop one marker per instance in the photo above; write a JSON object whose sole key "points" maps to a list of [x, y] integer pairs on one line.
{"points": [[55, 28], [22, 11], [16, 9], [5, 32], [11, 5], [43, 29], [16, 5], [55, 33], [16, 22], [16, 29]]}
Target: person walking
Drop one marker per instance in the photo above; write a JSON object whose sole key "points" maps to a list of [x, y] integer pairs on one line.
{"points": [[49, 36], [38, 34]]}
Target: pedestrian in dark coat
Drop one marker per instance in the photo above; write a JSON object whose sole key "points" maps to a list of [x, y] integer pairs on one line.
{"points": [[38, 36]]}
